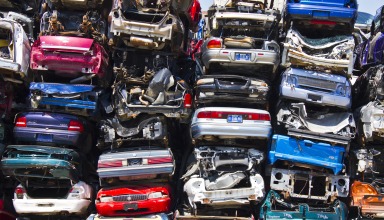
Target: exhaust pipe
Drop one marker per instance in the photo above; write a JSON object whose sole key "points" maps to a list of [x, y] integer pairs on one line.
{"points": [[143, 42]]}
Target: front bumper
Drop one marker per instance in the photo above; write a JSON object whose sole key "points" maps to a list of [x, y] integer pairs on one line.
{"points": [[307, 185], [197, 193], [324, 155], [147, 207], [51, 206]]}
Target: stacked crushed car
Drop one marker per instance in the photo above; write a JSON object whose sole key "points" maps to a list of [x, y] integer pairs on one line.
{"points": [[117, 109]]}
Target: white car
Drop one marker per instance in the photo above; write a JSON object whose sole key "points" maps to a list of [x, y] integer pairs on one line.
{"points": [[15, 51], [31, 201]]}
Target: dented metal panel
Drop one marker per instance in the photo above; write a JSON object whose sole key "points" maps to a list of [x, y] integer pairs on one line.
{"points": [[371, 117], [324, 155]]}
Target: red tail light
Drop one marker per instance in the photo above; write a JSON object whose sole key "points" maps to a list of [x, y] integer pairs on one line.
{"points": [[109, 164], [323, 22], [19, 191], [224, 115], [215, 43], [75, 126], [188, 101], [160, 160], [21, 122]]}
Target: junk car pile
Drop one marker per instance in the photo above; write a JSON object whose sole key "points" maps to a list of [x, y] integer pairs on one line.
{"points": [[142, 109]]}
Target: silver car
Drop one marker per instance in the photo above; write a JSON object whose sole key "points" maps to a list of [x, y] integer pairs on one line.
{"points": [[230, 123], [242, 40], [316, 87]]}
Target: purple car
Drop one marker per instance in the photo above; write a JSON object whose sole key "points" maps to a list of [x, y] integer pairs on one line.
{"points": [[53, 129]]}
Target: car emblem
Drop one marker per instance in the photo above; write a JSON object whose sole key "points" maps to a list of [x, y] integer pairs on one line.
{"points": [[129, 198]]}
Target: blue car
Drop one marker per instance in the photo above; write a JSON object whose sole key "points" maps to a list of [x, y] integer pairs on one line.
{"points": [[53, 129], [275, 207], [323, 12], [284, 148]]}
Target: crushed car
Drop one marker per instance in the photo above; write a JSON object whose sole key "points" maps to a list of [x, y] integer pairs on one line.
{"points": [[318, 123], [316, 87], [242, 39], [158, 92], [367, 198], [370, 118], [14, 51], [274, 207], [54, 129], [224, 176], [70, 98], [150, 25], [51, 180], [333, 54]]}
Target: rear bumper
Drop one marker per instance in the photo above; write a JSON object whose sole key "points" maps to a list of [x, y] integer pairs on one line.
{"points": [[51, 206], [337, 13], [59, 137], [147, 207], [135, 170]]}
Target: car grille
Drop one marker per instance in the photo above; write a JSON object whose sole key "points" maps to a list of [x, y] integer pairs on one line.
{"points": [[317, 83], [133, 197]]}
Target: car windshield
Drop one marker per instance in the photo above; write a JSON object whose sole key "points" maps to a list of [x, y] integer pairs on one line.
{"points": [[364, 18]]}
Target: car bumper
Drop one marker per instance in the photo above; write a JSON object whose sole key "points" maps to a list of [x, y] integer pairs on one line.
{"points": [[197, 193], [10, 66], [325, 155], [169, 111], [116, 209], [69, 62], [308, 12], [300, 94], [161, 216], [59, 137], [226, 58], [134, 171], [233, 130], [51, 206]]}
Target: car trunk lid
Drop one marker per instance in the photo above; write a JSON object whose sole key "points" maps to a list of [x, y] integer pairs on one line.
{"points": [[65, 44]]}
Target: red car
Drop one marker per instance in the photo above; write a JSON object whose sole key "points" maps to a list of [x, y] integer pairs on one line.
{"points": [[70, 57], [133, 200]]}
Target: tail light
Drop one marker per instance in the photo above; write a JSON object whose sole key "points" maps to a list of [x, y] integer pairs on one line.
{"points": [[188, 100], [215, 43], [75, 125], [109, 164], [21, 122], [158, 160], [224, 115], [76, 192], [19, 192]]}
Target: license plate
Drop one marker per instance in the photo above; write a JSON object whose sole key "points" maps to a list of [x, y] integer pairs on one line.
{"points": [[235, 119], [243, 56], [130, 206], [321, 14], [44, 137], [133, 162], [314, 98]]}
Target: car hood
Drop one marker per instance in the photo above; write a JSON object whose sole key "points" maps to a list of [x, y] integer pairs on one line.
{"points": [[57, 88], [24, 161], [62, 43]]}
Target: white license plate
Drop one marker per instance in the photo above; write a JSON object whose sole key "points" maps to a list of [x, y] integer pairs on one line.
{"points": [[243, 56], [235, 119]]}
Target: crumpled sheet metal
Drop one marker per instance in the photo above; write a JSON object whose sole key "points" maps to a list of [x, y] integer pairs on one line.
{"points": [[310, 53]]}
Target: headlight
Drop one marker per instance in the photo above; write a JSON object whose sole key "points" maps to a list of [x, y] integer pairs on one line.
{"points": [[205, 81], [340, 90], [258, 83], [156, 195], [106, 199], [377, 117], [291, 80]]}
